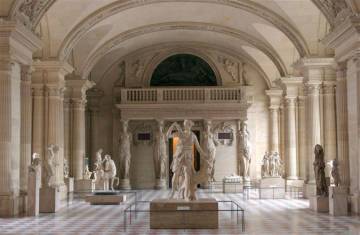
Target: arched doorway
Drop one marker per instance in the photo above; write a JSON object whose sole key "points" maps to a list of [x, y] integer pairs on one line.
{"points": [[183, 70]]}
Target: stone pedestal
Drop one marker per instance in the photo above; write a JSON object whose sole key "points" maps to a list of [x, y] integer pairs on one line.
{"points": [[69, 184], [33, 193], [160, 184], [124, 184], [49, 200], [309, 190], [319, 204], [338, 203], [105, 198], [272, 188], [9, 206], [181, 214], [84, 185]]}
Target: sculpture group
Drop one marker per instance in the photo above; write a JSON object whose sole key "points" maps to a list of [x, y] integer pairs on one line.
{"points": [[105, 171], [272, 165]]}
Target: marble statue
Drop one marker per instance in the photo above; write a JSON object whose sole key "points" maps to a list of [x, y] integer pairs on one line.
{"points": [[66, 168], [125, 154], [51, 165], [35, 162], [210, 143], [185, 178], [246, 149], [98, 166], [160, 153], [279, 165], [87, 173], [265, 165], [109, 173], [319, 169], [335, 172]]}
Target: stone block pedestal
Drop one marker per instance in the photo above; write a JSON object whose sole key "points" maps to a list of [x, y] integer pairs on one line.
{"points": [[84, 185], [33, 193], [49, 200], [272, 188], [309, 190], [338, 203], [181, 214], [105, 198], [69, 184], [319, 204], [9, 206]]}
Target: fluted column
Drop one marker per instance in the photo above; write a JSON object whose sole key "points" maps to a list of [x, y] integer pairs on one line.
{"points": [[67, 130], [313, 121], [292, 86], [275, 98], [302, 136], [38, 119], [282, 131], [329, 121], [25, 137], [341, 123]]}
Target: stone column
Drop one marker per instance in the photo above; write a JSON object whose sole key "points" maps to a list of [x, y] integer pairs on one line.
{"points": [[282, 131], [341, 124], [16, 47], [329, 122], [26, 117], [313, 127], [302, 137], [292, 86], [275, 96], [67, 130], [49, 75]]}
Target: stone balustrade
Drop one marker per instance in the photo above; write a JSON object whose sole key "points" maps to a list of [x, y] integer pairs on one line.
{"points": [[181, 95]]}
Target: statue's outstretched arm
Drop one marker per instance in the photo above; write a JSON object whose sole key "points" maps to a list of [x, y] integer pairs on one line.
{"points": [[174, 126]]}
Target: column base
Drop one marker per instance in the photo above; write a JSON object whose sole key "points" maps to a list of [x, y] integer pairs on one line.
{"points": [[338, 203], [69, 182], [160, 184], [9, 206], [124, 184], [309, 190], [50, 200], [355, 203]]}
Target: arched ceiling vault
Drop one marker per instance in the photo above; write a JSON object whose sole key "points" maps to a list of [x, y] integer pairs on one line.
{"points": [[117, 41], [118, 56]]}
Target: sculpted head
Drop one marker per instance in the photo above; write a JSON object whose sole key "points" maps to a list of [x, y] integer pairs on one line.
{"points": [[188, 124]]}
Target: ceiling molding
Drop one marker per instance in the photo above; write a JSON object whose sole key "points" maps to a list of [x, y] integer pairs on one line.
{"points": [[278, 21], [115, 42]]}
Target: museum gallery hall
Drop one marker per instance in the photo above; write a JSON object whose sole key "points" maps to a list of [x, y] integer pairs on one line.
{"points": [[179, 117]]}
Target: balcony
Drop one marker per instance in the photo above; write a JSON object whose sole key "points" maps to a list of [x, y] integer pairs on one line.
{"points": [[182, 102]]}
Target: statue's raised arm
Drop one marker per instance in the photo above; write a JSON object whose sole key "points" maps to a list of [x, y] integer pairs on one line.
{"points": [[173, 127]]}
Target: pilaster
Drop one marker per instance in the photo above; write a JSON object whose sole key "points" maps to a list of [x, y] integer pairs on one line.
{"points": [[275, 96]]}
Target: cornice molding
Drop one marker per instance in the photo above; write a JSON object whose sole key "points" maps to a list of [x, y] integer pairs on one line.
{"points": [[278, 21], [113, 43]]}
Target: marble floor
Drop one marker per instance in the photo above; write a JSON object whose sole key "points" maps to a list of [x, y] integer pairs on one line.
{"points": [[281, 216]]}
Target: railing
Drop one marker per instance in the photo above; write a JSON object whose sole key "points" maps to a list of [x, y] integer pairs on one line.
{"points": [[181, 95]]}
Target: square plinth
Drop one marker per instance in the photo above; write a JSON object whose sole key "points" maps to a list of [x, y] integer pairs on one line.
{"points": [[49, 200], [338, 201], [181, 214], [272, 188], [319, 204], [105, 199]]}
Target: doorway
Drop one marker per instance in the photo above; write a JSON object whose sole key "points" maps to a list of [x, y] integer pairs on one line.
{"points": [[172, 148]]}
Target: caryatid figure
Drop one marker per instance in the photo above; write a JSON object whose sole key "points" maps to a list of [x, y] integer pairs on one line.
{"points": [[125, 153], [246, 149], [160, 152], [210, 143]]}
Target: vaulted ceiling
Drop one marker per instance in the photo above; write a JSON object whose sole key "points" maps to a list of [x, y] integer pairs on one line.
{"points": [[274, 33]]}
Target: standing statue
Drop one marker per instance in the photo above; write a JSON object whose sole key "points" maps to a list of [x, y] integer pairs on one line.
{"points": [[246, 149], [265, 165], [279, 165], [98, 166], [35, 162], [125, 154], [66, 168], [319, 169], [160, 153], [335, 172], [87, 173], [185, 178], [50, 166], [210, 143], [109, 173]]}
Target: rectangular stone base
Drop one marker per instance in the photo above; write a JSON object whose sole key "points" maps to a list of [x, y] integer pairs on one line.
{"points": [[49, 200], [355, 204], [181, 214], [309, 190], [338, 203], [9, 206], [319, 204], [272, 188], [233, 187], [84, 186], [69, 184], [105, 199]]}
